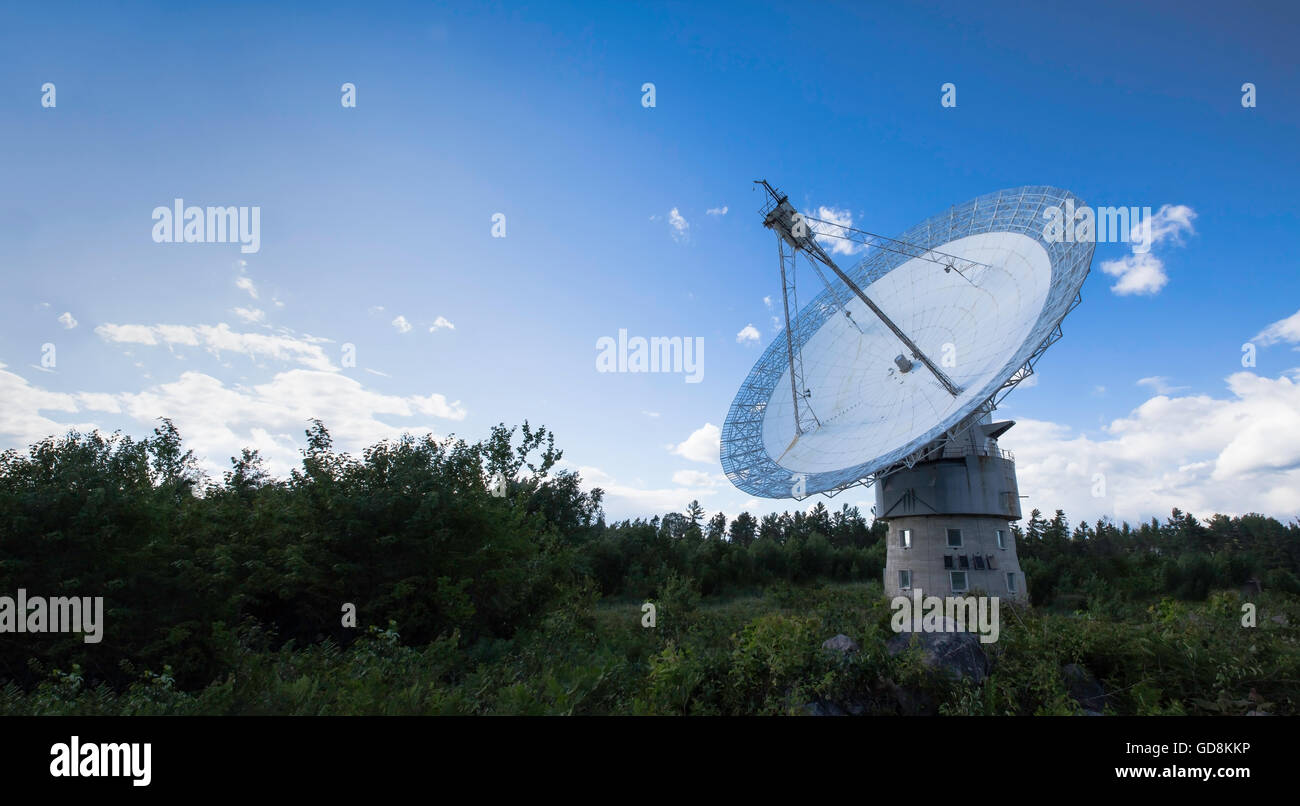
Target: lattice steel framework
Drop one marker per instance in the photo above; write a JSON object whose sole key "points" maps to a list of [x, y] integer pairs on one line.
{"points": [[746, 461]]}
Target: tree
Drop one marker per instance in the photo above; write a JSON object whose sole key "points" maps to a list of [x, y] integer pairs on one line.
{"points": [[695, 512], [717, 526], [743, 529]]}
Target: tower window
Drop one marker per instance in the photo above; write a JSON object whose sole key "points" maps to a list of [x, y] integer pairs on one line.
{"points": [[947, 561], [905, 538], [1011, 582], [954, 538], [904, 579], [963, 561], [979, 563], [958, 579], [1002, 538], [989, 560]]}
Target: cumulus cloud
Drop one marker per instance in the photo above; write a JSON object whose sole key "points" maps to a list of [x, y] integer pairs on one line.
{"points": [[681, 228], [218, 420], [1234, 454], [67, 320], [1141, 272], [703, 445], [129, 334], [401, 324], [305, 350], [1138, 274], [716, 210], [441, 323], [747, 334], [252, 315], [1283, 330], [23, 417], [246, 284], [1169, 223], [832, 225]]}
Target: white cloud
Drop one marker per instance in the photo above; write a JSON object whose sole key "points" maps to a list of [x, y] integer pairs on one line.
{"points": [[401, 324], [651, 414], [1138, 274], [826, 233], [1141, 272], [748, 333], [640, 500], [716, 210], [217, 420], [253, 315], [1160, 385], [767, 301], [1168, 223], [695, 479], [305, 350], [1287, 330], [67, 320], [703, 445], [129, 334], [441, 323], [681, 229], [1201, 454], [246, 284], [22, 418], [99, 401]]}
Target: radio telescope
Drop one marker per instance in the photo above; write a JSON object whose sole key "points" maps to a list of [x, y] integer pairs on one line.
{"points": [[890, 375]]}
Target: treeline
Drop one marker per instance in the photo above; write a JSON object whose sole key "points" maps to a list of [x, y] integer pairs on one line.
{"points": [[1100, 567], [421, 534], [635, 558]]}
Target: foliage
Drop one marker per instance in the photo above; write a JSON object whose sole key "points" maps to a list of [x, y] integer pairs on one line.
{"points": [[226, 598]]}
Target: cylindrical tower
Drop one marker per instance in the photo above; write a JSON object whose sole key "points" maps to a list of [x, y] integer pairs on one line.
{"points": [[950, 520]]}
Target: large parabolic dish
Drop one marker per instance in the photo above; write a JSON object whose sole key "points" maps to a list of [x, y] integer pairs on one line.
{"points": [[985, 325]]}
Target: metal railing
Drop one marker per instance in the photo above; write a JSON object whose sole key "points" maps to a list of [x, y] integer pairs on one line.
{"points": [[959, 451]]}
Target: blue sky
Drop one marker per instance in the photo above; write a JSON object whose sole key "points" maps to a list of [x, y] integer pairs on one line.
{"points": [[535, 111]]}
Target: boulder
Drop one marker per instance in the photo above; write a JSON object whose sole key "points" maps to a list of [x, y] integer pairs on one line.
{"points": [[840, 643], [1084, 689], [824, 708], [957, 654]]}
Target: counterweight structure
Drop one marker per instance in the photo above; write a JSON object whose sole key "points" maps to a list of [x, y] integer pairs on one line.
{"points": [[950, 520]]}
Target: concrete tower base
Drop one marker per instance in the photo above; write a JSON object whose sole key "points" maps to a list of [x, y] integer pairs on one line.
{"points": [[950, 520]]}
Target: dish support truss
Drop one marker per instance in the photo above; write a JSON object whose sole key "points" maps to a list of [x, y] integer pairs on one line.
{"points": [[745, 460]]}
